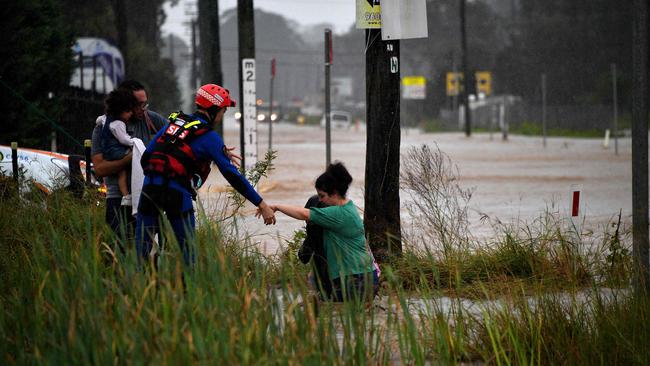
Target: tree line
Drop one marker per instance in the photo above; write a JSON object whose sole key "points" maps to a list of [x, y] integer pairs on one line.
{"points": [[38, 60]]}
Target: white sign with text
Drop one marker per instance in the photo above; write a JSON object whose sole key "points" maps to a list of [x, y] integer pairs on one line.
{"points": [[249, 111]]}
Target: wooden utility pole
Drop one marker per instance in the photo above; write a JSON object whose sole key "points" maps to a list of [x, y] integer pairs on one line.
{"points": [[641, 277], [466, 75], [246, 31], [615, 108], [328, 116], [210, 46], [171, 48], [194, 72], [544, 110], [121, 25], [382, 203], [210, 42], [271, 104]]}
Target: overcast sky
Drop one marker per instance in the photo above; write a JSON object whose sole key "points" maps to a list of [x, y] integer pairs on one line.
{"points": [[339, 13]]}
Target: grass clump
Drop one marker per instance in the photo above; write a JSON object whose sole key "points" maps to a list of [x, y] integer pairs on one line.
{"points": [[550, 251]]}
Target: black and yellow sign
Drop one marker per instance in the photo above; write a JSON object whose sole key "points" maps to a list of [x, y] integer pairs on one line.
{"points": [[454, 83], [483, 82], [368, 14]]}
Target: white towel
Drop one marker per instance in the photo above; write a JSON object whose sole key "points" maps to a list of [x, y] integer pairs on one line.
{"points": [[137, 175]]}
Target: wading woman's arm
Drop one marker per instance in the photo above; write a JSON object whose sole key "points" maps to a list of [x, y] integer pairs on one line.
{"points": [[297, 212]]}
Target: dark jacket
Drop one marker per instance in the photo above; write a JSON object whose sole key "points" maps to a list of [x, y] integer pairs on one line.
{"points": [[313, 247]]}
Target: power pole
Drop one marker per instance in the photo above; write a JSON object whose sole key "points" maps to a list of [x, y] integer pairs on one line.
{"points": [[328, 126], [210, 46], [466, 75], [641, 277], [271, 104], [382, 203], [194, 72], [210, 42], [544, 110], [121, 25], [246, 31], [171, 48], [615, 109]]}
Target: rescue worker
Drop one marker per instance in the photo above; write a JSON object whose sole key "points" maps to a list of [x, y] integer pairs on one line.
{"points": [[177, 161]]}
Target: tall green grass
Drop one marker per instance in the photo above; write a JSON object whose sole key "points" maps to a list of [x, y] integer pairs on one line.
{"points": [[70, 297]]}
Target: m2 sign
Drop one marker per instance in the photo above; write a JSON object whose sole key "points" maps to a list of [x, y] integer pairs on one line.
{"points": [[249, 113]]}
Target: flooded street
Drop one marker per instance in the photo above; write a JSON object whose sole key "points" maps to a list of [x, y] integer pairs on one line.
{"points": [[515, 180]]}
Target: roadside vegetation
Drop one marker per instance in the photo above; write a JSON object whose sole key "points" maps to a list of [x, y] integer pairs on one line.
{"points": [[536, 293], [525, 128]]}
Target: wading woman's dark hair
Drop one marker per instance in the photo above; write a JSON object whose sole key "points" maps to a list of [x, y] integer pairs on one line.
{"points": [[118, 101], [336, 179]]}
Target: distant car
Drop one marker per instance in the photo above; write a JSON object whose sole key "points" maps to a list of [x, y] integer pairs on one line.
{"points": [[338, 119]]}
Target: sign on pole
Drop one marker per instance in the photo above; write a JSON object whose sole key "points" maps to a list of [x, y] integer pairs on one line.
{"points": [[483, 82], [368, 14], [249, 113], [454, 83], [403, 19], [414, 87]]}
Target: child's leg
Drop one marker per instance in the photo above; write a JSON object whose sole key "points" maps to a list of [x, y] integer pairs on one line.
{"points": [[123, 182]]}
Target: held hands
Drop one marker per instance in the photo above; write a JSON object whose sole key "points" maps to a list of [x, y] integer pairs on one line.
{"points": [[234, 158], [267, 212]]}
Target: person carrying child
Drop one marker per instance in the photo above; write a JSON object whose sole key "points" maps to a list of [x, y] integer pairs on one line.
{"points": [[116, 142], [352, 270]]}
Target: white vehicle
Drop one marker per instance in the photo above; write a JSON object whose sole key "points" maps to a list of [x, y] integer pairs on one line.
{"points": [[338, 119]]}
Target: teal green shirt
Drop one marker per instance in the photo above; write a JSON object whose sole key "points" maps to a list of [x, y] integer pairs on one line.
{"points": [[344, 239]]}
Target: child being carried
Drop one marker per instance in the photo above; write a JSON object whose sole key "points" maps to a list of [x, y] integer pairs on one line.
{"points": [[116, 142]]}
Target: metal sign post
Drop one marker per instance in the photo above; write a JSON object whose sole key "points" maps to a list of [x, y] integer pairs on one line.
{"points": [[615, 103], [249, 113], [544, 109], [271, 105], [328, 63]]}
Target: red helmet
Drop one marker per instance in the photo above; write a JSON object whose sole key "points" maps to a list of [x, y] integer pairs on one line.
{"points": [[210, 95]]}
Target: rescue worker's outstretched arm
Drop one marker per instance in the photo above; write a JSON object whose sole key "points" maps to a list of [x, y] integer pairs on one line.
{"points": [[222, 159], [230, 172]]}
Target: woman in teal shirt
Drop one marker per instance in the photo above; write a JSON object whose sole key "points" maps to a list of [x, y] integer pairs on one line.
{"points": [[351, 266]]}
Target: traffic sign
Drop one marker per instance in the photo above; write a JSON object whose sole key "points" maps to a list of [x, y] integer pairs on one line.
{"points": [[454, 83], [368, 14], [483, 82], [414, 87]]}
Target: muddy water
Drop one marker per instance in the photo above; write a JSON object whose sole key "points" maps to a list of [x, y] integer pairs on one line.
{"points": [[514, 180]]}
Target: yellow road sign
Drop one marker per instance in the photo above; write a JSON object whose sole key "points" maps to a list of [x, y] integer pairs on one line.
{"points": [[368, 14], [454, 83], [414, 80], [414, 87], [483, 82]]}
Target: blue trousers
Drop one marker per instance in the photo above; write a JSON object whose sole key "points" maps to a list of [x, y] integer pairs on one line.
{"points": [[183, 225]]}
